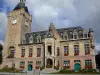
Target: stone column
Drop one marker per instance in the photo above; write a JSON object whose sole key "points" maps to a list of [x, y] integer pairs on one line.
{"points": [[45, 62], [82, 63], [53, 63], [93, 62]]}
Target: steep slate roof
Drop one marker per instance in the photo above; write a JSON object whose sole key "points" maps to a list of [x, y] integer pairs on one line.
{"points": [[45, 34], [21, 5]]}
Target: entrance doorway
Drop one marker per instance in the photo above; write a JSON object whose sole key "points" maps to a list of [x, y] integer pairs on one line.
{"points": [[49, 63], [30, 67], [77, 67]]}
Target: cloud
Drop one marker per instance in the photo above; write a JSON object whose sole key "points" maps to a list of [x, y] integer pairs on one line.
{"points": [[3, 25], [97, 47]]}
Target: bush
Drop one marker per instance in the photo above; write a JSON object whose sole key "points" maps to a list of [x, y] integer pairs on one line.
{"points": [[41, 68], [87, 70], [80, 71], [6, 69], [63, 70], [49, 66], [56, 67]]}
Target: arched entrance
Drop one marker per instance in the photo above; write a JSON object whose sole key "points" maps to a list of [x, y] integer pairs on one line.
{"points": [[77, 67], [49, 63], [30, 67]]}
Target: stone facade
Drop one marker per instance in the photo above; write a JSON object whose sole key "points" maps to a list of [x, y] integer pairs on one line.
{"points": [[66, 47]]}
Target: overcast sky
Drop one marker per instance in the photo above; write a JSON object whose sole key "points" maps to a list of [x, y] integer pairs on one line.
{"points": [[63, 13]]}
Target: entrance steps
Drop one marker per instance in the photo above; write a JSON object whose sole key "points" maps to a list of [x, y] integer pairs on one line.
{"points": [[49, 70]]}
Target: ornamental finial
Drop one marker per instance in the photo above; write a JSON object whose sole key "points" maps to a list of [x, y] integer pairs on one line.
{"points": [[23, 1]]}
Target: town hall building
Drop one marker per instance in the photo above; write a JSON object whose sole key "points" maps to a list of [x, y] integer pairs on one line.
{"points": [[71, 48]]}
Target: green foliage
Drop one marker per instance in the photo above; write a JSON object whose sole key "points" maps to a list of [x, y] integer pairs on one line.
{"points": [[64, 70], [88, 70], [49, 66], [41, 68], [6, 69], [1, 48], [56, 67]]}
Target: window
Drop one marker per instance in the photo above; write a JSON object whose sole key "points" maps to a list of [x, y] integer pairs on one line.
{"points": [[58, 53], [12, 51], [66, 64], [38, 63], [71, 35], [23, 42], [22, 64], [65, 37], [30, 52], [30, 40], [77, 61], [80, 35], [66, 50], [76, 49], [61, 35], [38, 52], [30, 62], [50, 49], [75, 36], [87, 49], [85, 35], [88, 64], [23, 53]]}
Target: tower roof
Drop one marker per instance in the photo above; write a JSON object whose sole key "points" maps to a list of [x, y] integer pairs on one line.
{"points": [[20, 5]]}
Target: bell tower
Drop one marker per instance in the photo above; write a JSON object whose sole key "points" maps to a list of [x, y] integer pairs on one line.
{"points": [[19, 23]]}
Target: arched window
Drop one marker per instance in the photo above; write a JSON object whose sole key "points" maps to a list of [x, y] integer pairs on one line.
{"points": [[11, 52]]}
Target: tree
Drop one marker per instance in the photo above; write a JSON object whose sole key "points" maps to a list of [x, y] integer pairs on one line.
{"points": [[1, 48]]}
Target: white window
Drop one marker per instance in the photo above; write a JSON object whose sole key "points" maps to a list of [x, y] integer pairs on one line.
{"points": [[30, 40]]}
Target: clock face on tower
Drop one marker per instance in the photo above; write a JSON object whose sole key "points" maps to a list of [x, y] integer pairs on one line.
{"points": [[14, 21]]}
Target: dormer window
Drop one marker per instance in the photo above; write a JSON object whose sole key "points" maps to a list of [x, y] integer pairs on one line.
{"points": [[23, 41], [66, 37], [80, 31], [38, 38], [85, 35], [71, 35], [75, 36], [49, 34], [70, 32], [30, 40], [61, 33]]}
